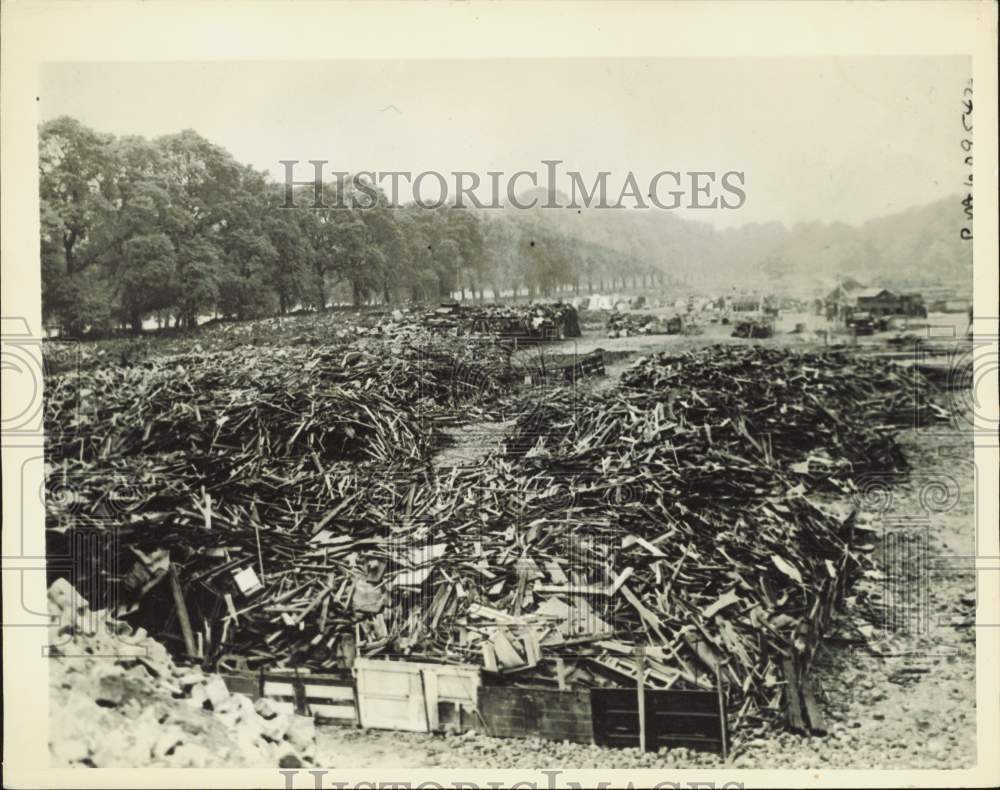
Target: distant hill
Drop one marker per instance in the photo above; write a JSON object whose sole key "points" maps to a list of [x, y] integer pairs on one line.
{"points": [[918, 247]]}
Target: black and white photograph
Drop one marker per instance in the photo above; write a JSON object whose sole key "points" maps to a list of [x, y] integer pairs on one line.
{"points": [[617, 419]]}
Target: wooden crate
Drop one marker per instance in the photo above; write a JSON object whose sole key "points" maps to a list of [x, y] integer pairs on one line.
{"points": [[405, 695], [511, 712]]}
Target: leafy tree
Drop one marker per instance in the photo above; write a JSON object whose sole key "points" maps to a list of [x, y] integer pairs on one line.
{"points": [[147, 280]]}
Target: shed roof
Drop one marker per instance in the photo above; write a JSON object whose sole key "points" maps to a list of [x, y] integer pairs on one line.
{"points": [[871, 293]]}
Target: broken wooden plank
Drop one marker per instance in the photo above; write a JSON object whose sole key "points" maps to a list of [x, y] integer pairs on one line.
{"points": [[793, 706], [182, 612]]}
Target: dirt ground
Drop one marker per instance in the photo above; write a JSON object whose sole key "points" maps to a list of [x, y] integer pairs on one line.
{"points": [[911, 704]]}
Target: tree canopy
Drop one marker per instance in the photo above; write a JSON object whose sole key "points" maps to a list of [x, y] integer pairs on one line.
{"points": [[176, 228]]}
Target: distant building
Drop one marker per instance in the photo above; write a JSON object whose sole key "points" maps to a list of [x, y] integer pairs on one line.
{"points": [[876, 301], [913, 304], [949, 305], [842, 299], [883, 302], [746, 304]]}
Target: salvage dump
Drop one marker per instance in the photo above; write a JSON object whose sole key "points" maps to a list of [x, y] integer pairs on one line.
{"points": [[267, 504]]}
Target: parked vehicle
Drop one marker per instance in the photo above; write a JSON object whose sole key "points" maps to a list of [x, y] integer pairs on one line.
{"points": [[861, 323]]}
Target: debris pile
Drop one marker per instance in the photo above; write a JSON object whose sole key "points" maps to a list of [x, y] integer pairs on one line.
{"points": [[754, 328], [538, 321], [827, 416], [223, 465], [680, 512], [629, 325], [123, 702], [224, 409], [412, 324], [528, 323]]}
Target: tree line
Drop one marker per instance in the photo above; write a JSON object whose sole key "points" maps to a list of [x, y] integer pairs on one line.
{"points": [[176, 228]]}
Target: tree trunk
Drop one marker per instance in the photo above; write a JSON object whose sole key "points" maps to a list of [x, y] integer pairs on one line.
{"points": [[68, 243], [320, 289]]}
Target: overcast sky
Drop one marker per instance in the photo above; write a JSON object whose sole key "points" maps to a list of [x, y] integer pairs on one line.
{"points": [[818, 138]]}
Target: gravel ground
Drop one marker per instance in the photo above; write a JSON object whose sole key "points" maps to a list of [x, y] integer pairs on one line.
{"points": [[911, 707]]}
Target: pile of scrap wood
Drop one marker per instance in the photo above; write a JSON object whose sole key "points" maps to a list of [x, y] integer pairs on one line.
{"points": [[755, 328], [680, 512], [810, 407], [562, 368], [535, 322], [413, 324], [228, 407], [628, 325], [334, 401]]}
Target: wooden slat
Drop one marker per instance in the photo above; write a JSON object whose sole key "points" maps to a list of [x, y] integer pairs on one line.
{"points": [[817, 722], [793, 705], [323, 696]]}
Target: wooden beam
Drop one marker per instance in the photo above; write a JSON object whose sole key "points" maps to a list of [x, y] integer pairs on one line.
{"points": [[723, 734], [793, 705], [817, 722], [182, 612], [561, 673], [640, 674]]}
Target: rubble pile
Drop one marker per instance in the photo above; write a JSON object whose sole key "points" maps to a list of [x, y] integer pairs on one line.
{"points": [[123, 702], [225, 463], [300, 402], [682, 512], [538, 321], [826, 416], [341, 403], [756, 328], [631, 324], [412, 325]]}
